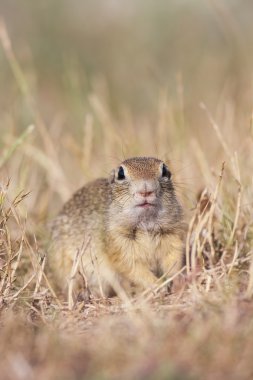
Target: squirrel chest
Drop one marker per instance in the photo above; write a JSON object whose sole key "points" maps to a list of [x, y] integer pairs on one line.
{"points": [[140, 247]]}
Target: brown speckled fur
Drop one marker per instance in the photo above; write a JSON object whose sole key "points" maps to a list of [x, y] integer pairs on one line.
{"points": [[127, 245]]}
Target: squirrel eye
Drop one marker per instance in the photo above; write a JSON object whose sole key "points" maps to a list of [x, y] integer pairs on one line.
{"points": [[166, 172], [121, 174]]}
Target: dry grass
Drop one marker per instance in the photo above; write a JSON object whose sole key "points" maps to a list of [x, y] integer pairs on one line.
{"points": [[204, 328]]}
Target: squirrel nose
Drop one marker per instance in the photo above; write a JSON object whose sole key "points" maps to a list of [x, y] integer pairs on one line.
{"points": [[145, 193], [145, 189]]}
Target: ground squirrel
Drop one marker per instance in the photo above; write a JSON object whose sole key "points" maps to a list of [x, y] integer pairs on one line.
{"points": [[131, 225]]}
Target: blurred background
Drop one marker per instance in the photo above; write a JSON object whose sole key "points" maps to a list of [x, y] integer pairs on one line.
{"points": [[103, 80], [83, 85]]}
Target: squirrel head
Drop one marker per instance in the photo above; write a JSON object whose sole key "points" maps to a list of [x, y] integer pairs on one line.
{"points": [[143, 193]]}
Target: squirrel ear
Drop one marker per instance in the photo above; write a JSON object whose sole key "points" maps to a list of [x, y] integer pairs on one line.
{"points": [[112, 176]]}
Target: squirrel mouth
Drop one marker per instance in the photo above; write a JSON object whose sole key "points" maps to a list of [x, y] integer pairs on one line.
{"points": [[145, 205]]}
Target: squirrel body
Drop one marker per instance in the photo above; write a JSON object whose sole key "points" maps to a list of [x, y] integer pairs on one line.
{"points": [[129, 226]]}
